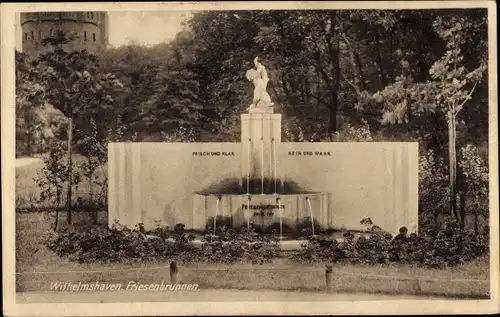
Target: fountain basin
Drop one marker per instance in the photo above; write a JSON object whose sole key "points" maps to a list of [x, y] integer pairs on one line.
{"points": [[262, 210]]}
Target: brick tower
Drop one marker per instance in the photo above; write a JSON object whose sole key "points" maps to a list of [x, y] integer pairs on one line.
{"points": [[90, 27]]}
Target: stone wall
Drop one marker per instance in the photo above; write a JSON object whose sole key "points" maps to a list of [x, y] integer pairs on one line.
{"points": [[158, 183]]}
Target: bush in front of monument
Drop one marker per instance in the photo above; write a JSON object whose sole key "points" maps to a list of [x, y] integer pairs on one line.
{"points": [[431, 248], [122, 244], [245, 245]]}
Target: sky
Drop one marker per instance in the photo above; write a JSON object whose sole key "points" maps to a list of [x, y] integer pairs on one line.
{"points": [[147, 28]]}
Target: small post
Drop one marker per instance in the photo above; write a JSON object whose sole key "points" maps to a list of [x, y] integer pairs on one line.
{"points": [[173, 272], [328, 276]]}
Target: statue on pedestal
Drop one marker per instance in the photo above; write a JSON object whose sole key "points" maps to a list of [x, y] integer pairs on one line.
{"points": [[261, 99]]}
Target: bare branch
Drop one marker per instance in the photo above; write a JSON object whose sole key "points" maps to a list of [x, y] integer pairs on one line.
{"points": [[468, 96]]}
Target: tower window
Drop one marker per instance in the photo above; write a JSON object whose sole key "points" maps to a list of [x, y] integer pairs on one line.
{"points": [[50, 32], [93, 35], [32, 37], [25, 36], [91, 15], [85, 36]]}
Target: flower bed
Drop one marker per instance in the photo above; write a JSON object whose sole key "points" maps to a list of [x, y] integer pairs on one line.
{"points": [[431, 248]]}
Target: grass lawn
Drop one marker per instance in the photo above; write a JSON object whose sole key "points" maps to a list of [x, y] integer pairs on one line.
{"points": [[27, 191], [32, 256]]}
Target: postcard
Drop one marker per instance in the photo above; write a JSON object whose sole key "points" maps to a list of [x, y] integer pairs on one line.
{"points": [[249, 158]]}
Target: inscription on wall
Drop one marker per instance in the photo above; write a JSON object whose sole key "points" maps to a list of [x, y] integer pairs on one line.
{"points": [[262, 210], [213, 154], [309, 153]]}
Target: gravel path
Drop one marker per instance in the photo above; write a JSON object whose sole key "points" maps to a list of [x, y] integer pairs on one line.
{"points": [[24, 161], [201, 295]]}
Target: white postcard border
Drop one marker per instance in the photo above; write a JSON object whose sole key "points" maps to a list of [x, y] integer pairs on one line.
{"points": [[241, 308]]}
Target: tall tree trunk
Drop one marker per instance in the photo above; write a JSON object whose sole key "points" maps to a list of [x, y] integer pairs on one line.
{"points": [[360, 71], [307, 89], [70, 168], [303, 92], [380, 62], [453, 164], [287, 91], [391, 69], [332, 123]]}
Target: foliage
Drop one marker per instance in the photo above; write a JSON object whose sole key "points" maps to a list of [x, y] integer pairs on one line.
{"points": [[175, 102], [351, 133], [72, 84], [136, 67], [30, 124], [476, 175], [446, 92], [449, 86], [54, 177], [432, 248], [320, 63], [94, 147], [398, 66], [432, 187], [95, 159], [120, 244], [182, 134], [230, 246]]}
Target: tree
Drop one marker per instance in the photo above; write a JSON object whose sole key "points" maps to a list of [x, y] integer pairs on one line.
{"points": [[53, 177], [72, 84], [476, 179], [446, 93], [136, 67], [175, 102], [29, 120], [95, 153], [306, 48]]}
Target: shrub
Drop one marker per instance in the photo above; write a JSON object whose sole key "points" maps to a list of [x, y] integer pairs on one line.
{"points": [[121, 244], [239, 246], [433, 188], [350, 133], [433, 247]]}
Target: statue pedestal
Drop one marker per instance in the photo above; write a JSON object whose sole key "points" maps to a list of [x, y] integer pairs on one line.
{"points": [[260, 140]]}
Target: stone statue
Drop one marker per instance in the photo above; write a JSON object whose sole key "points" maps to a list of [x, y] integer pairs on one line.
{"points": [[261, 99]]}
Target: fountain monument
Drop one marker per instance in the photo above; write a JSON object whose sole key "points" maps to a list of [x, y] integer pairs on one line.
{"points": [[262, 181]]}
